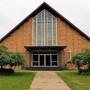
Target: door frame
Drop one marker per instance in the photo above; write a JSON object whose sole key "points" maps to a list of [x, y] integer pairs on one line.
{"points": [[45, 60]]}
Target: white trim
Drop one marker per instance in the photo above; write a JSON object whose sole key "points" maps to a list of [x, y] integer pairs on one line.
{"points": [[45, 60], [70, 51], [47, 29], [41, 30], [36, 30], [56, 31], [44, 66], [32, 31], [52, 30], [44, 27], [38, 60], [50, 60], [44, 40]]}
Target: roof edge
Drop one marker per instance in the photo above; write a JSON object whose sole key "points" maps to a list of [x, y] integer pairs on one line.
{"points": [[58, 14]]}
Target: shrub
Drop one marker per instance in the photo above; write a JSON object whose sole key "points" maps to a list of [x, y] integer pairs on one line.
{"points": [[12, 59], [16, 59], [82, 59]]}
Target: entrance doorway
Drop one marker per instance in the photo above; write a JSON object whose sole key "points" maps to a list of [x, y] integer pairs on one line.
{"points": [[48, 60], [44, 60]]}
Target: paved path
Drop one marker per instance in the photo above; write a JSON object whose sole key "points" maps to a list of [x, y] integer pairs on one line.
{"points": [[48, 80]]}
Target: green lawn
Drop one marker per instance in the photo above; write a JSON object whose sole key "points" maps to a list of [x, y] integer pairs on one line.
{"points": [[75, 81], [21, 80]]}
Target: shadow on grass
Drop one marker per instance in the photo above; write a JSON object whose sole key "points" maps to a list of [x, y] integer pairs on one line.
{"points": [[17, 74], [21, 73]]}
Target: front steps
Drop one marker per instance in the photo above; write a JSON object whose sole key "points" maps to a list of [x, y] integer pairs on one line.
{"points": [[43, 68]]}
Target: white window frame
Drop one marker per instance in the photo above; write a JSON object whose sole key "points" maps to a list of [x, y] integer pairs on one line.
{"points": [[46, 43]]}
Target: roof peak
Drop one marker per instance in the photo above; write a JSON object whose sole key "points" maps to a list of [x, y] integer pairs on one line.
{"points": [[44, 2], [46, 6]]}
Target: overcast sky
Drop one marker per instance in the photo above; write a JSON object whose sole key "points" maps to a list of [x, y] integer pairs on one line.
{"points": [[14, 11]]}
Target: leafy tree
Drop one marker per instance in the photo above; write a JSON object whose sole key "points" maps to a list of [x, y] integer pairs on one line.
{"points": [[86, 55], [82, 59], [3, 56], [16, 59], [10, 58], [78, 60]]}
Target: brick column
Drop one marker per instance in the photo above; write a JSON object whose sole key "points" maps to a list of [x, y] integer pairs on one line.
{"points": [[60, 58]]}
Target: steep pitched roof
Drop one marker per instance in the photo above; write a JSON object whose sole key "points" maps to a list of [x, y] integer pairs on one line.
{"points": [[44, 5]]}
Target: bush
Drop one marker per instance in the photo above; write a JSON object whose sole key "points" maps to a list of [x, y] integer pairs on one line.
{"points": [[82, 59], [12, 59], [16, 59]]}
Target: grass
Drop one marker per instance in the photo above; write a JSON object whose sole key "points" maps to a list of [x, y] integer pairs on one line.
{"points": [[20, 80], [75, 81]]}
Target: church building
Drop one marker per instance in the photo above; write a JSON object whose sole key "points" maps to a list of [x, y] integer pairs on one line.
{"points": [[46, 38]]}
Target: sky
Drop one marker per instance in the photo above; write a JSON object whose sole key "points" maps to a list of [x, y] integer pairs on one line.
{"points": [[13, 12]]}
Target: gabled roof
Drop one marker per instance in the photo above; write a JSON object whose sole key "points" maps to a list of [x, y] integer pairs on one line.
{"points": [[44, 5]]}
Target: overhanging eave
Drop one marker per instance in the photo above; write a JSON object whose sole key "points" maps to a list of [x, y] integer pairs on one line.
{"points": [[28, 47]]}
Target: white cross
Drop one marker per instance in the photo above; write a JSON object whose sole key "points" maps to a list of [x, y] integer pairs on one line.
{"points": [[70, 51]]}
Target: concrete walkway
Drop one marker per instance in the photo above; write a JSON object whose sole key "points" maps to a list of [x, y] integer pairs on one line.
{"points": [[48, 80]]}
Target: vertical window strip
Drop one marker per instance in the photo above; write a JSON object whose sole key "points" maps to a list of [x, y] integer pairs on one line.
{"points": [[36, 30], [41, 29], [52, 29], [56, 29], [33, 31], [46, 26]]}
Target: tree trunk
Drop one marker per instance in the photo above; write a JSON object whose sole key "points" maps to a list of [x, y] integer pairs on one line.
{"points": [[89, 67], [79, 70], [1, 67]]}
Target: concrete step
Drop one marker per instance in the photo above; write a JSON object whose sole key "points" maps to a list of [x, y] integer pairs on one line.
{"points": [[43, 68]]}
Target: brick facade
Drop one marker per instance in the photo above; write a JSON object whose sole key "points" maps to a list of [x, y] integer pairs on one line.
{"points": [[20, 37], [66, 35]]}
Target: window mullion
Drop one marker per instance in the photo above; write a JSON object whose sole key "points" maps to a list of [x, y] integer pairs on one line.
{"points": [[44, 27], [56, 30], [41, 29], [52, 29], [47, 23], [33, 31], [47, 28], [36, 30]]}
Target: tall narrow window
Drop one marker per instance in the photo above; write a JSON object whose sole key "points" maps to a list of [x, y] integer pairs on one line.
{"points": [[44, 29]]}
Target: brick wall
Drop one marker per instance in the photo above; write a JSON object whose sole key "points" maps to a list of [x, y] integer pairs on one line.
{"points": [[19, 38], [66, 35]]}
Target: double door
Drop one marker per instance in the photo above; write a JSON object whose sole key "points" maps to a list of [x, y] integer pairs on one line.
{"points": [[45, 60]]}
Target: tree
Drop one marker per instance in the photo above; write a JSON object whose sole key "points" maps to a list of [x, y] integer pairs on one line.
{"points": [[86, 55], [78, 61], [82, 59], [12, 59], [16, 59], [3, 56]]}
